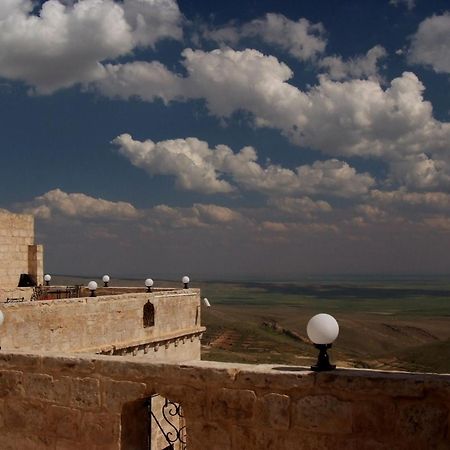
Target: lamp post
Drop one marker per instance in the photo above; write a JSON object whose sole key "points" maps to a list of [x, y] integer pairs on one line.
{"points": [[149, 284], [105, 280], [185, 280], [47, 279], [92, 286], [322, 330]]}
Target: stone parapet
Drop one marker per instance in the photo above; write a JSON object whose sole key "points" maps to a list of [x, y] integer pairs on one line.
{"points": [[94, 324], [60, 401]]}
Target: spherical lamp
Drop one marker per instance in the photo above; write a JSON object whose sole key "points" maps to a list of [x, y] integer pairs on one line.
{"points": [[185, 280], [149, 284], [322, 330], [47, 279], [92, 286], [106, 279]]}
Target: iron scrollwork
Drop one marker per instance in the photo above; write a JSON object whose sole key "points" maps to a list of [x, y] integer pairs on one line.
{"points": [[171, 414]]}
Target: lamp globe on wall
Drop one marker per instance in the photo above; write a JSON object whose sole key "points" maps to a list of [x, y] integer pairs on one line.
{"points": [[106, 279], [149, 284], [92, 286], [47, 279], [185, 280], [322, 330]]}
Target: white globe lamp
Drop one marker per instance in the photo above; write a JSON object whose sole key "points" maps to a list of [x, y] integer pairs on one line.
{"points": [[185, 280], [149, 284], [92, 286], [322, 330], [106, 280], [47, 279]]}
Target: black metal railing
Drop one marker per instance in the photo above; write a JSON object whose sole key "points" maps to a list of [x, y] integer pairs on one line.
{"points": [[169, 421], [55, 293]]}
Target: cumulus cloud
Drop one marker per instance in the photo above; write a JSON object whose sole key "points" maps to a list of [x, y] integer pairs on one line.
{"points": [[350, 118], [420, 172], [197, 167], [417, 201], [66, 42], [359, 67], [190, 161], [145, 80], [301, 39], [430, 45], [77, 205], [303, 206], [197, 216]]}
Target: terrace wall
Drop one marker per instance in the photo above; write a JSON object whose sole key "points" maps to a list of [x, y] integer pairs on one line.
{"points": [[107, 324], [18, 253], [50, 401]]}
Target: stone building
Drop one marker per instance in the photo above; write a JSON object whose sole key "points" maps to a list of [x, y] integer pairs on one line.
{"points": [[18, 252], [122, 371]]}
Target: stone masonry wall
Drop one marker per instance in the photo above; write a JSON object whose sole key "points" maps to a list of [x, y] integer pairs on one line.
{"points": [[50, 401], [18, 253], [103, 324]]}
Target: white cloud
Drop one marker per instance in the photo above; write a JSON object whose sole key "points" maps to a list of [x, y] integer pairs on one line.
{"points": [[359, 67], [420, 172], [197, 216], [76, 205], [409, 4], [197, 167], [145, 80], [304, 206], [66, 43], [430, 45], [301, 39], [417, 201], [189, 160], [351, 118]]}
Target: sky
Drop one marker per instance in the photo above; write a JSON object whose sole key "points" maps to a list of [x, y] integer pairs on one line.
{"points": [[238, 139]]}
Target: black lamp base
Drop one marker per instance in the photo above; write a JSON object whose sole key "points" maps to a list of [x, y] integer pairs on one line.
{"points": [[323, 361]]}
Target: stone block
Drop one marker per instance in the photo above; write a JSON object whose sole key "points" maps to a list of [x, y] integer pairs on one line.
{"points": [[273, 411], [232, 404], [359, 382], [323, 413], [28, 417], [46, 388], [216, 436], [424, 421], [64, 422], [20, 441], [85, 393], [101, 429], [116, 393], [372, 415], [11, 383], [275, 379]]}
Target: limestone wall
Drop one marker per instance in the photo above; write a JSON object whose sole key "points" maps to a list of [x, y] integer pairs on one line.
{"points": [[50, 401], [18, 253], [106, 324]]}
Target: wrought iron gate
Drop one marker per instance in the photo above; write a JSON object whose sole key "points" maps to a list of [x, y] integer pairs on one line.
{"points": [[166, 420]]}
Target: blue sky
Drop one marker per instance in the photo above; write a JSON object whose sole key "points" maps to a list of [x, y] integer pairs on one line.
{"points": [[226, 139]]}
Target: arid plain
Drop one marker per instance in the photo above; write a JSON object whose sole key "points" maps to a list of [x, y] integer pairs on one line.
{"points": [[384, 324]]}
